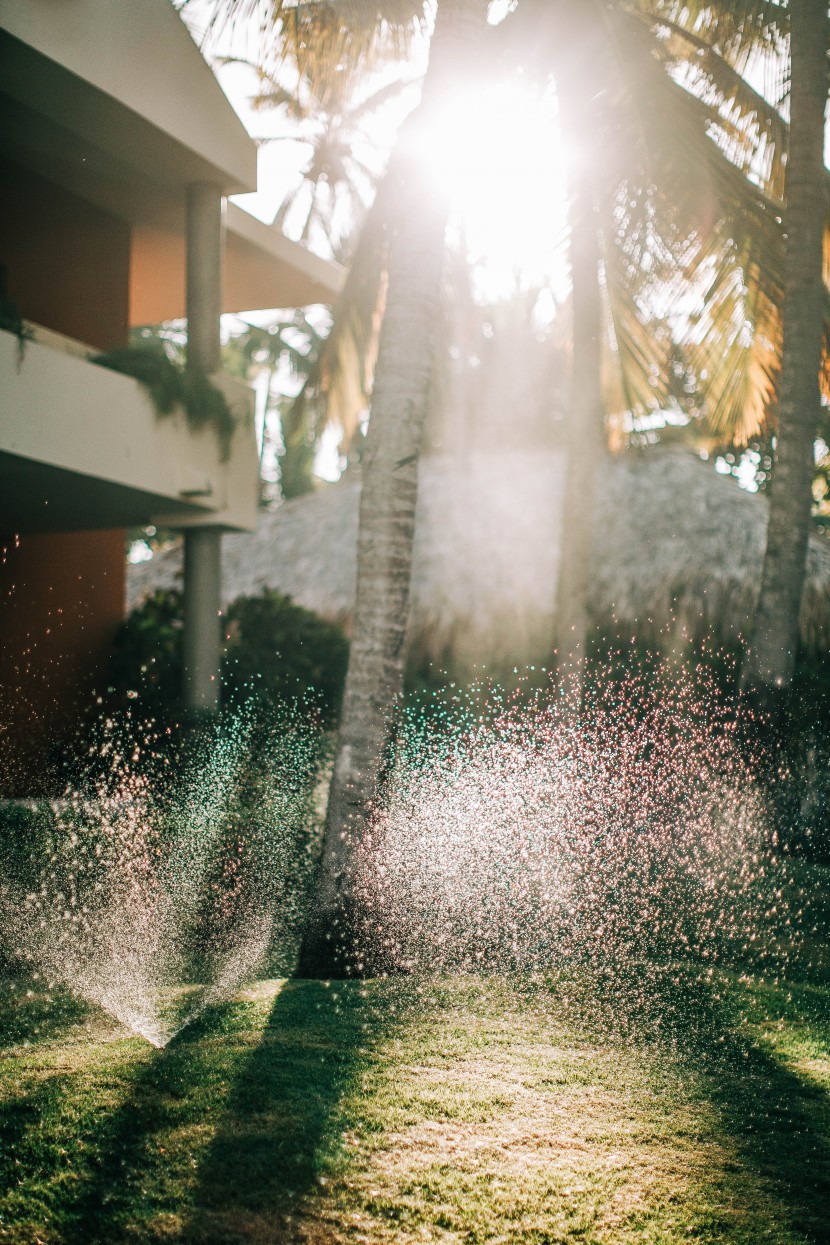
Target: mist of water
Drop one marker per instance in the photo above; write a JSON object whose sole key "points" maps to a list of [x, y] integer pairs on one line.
{"points": [[621, 827], [133, 892], [627, 828]]}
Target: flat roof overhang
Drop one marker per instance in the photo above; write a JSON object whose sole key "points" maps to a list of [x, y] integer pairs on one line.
{"points": [[114, 102], [40, 497]]}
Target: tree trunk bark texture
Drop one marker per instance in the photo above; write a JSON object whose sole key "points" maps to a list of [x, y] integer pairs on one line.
{"points": [[333, 944], [585, 427], [770, 662]]}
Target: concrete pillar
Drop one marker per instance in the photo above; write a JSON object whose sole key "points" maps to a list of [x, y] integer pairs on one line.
{"points": [[202, 546], [202, 586], [205, 242]]}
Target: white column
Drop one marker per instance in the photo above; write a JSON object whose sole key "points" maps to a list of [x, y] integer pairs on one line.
{"points": [[202, 587], [205, 239], [203, 545]]}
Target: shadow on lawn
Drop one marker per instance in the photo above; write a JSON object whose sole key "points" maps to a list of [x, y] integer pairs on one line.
{"points": [[23, 1146], [279, 1126], [776, 1121], [254, 1111], [29, 1018], [779, 1120], [271, 1103]]}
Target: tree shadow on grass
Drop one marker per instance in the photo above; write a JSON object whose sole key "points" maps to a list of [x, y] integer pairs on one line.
{"points": [[776, 1120], [280, 1124], [779, 1119], [224, 1132], [30, 1017], [25, 1146]]}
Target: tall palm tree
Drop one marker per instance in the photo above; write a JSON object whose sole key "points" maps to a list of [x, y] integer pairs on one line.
{"points": [[666, 131], [796, 336], [770, 663], [576, 80], [400, 397]]}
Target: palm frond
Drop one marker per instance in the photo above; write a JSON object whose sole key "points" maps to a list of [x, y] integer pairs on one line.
{"points": [[338, 387], [326, 41], [753, 130], [712, 238], [637, 355], [735, 28]]}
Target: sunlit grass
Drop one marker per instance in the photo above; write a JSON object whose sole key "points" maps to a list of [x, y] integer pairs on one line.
{"points": [[656, 1107]]}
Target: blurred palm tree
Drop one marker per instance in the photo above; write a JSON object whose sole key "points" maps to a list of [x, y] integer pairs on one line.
{"points": [[770, 663], [676, 241], [284, 352], [334, 203], [319, 65], [339, 180]]}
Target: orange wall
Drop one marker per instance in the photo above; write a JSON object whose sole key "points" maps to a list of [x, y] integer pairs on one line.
{"points": [[67, 267], [61, 599], [67, 262]]}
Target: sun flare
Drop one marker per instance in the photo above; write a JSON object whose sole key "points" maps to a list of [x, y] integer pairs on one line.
{"points": [[505, 162]]}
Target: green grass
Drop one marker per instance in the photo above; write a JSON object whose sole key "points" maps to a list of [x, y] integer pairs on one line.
{"points": [[651, 1106]]}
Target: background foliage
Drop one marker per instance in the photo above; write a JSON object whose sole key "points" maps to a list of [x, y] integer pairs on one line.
{"points": [[274, 651]]}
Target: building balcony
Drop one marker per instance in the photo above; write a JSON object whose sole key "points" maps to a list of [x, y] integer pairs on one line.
{"points": [[82, 447]]}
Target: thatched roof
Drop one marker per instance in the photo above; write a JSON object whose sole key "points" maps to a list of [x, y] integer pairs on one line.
{"points": [[674, 540]]}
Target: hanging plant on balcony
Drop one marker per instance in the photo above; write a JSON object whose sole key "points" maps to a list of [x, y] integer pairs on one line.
{"points": [[12, 321], [170, 385]]}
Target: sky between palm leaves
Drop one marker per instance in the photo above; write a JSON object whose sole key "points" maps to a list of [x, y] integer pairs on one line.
{"points": [[508, 203], [505, 160]]}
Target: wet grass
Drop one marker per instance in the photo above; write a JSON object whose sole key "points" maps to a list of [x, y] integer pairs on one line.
{"points": [[651, 1105]]}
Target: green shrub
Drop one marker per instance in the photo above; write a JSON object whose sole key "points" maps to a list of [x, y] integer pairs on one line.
{"points": [[284, 652], [25, 830], [146, 661], [25, 842], [274, 651], [170, 385]]}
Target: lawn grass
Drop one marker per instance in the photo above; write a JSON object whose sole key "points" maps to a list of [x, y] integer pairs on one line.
{"points": [[654, 1105]]}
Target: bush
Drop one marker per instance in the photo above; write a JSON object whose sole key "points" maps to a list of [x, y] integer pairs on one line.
{"points": [[279, 650], [147, 661], [25, 841], [274, 651]]}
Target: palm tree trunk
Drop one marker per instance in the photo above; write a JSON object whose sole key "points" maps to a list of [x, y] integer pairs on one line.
{"points": [[285, 207], [309, 220], [333, 944], [585, 429], [770, 662]]}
